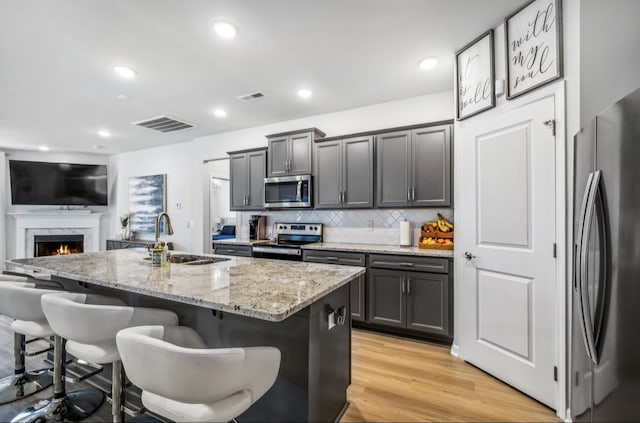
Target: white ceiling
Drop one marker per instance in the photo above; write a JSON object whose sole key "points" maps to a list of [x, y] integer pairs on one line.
{"points": [[57, 85]]}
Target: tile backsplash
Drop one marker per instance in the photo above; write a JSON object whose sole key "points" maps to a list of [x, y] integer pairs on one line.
{"points": [[368, 226]]}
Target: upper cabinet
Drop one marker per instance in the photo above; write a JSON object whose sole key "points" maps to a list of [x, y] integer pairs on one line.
{"points": [[290, 152], [343, 176], [247, 173], [414, 168]]}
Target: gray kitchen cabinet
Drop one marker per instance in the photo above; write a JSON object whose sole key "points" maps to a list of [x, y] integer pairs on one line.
{"points": [[386, 299], [344, 173], [427, 302], [247, 172], [357, 286], [414, 167], [290, 152], [407, 298]]}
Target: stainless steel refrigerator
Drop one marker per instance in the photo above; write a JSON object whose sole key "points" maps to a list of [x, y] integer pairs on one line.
{"points": [[605, 347]]}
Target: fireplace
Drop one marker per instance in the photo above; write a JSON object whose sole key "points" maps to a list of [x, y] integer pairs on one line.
{"points": [[56, 245]]}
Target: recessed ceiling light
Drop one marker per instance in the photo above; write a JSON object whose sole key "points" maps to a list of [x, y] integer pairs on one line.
{"points": [[427, 63], [304, 93], [122, 97], [104, 133], [225, 29], [43, 148], [220, 113], [125, 72]]}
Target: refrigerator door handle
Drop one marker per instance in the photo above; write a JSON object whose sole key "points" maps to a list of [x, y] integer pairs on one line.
{"points": [[580, 234], [601, 288], [584, 248]]}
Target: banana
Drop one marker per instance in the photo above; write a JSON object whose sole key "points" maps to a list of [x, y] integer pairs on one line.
{"points": [[443, 227], [443, 221]]}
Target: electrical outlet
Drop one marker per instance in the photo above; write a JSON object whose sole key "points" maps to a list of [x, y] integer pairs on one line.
{"points": [[370, 224], [332, 320]]}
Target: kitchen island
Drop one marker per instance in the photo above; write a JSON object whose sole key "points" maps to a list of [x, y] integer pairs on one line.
{"points": [[240, 302]]}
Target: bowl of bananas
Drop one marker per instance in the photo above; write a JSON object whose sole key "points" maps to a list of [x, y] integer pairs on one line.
{"points": [[437, 234]]}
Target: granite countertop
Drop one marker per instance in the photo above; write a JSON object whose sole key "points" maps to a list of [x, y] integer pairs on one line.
{"points": [[382, 249], [239, 241], [261, 288]]}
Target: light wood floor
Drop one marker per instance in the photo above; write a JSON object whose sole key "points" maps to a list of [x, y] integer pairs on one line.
{"points": [[396, 379]]}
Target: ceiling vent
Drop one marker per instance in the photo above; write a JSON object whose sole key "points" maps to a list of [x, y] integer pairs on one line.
{"points": [[164, 124], [252, 96]]}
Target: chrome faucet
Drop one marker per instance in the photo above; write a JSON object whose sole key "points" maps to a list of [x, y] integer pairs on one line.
{"points": [[169, 227]]}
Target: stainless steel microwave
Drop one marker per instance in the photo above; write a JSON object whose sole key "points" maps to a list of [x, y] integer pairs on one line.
{"points": [[287, 192]]}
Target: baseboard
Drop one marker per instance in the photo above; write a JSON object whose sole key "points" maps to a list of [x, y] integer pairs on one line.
{"points": [[455, 350]]}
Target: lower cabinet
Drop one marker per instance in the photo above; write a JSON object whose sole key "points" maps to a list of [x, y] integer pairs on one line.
{"points": [[411, 293], [410, 300], [357, 286], [407, 295]]}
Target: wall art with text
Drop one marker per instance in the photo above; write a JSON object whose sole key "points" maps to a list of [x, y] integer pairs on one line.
{"points": [[475, 77], [533, 37]]}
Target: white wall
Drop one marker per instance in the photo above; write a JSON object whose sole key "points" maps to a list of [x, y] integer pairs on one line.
{"points": [[7, 232], [3, 195], [183, 163], [609, 53]]}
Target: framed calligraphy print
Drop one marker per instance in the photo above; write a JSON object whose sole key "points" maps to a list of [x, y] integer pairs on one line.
{"points": [[475, 77], [533, 38]]}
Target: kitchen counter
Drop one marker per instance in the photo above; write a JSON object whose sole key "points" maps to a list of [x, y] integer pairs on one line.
{"points": [[259, 288], [240, 302], [381, 249]]}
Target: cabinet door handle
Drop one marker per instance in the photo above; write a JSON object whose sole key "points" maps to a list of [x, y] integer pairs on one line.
{"points": [[408, 193], [408, 286], [248, 199], [413, 193], [402, 285]]}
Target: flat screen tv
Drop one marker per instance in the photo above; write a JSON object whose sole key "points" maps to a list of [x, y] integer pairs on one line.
{"points": [[58, 184]]}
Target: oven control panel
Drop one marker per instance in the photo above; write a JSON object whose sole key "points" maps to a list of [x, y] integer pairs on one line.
{"points": [[314, 229]]}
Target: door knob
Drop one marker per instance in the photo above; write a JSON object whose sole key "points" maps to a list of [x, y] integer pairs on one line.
{"points": [[468, 255]]}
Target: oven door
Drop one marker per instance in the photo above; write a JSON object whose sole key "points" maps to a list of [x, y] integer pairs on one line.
{"points": [[287, 191], [278, 253]]}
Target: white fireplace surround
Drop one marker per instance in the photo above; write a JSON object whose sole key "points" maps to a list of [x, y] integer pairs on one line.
{"points": [[28, 225]]}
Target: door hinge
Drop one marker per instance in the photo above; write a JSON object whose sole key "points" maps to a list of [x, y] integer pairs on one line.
{"points": [[555, 250], [555, 373], [551, 123]]}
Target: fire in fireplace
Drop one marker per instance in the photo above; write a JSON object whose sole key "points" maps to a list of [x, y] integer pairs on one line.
{"points": [[56, 245]]}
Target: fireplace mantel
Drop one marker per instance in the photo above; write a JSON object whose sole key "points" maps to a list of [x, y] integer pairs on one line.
{"points": [[29, 224]]}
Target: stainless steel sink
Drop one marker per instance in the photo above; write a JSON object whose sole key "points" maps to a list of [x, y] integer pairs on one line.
{"points": [[194, 260]]}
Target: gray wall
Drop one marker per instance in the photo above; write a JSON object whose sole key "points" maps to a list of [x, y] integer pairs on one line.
{"points": [[609, 53]]}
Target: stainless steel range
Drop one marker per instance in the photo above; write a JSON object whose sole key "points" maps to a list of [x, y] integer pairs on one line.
{"points": [[288, 239]]}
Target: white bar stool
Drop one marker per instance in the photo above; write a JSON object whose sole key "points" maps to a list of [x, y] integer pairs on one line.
{"points": [[20, 300], [24, 302], [183, 380], [90, 323]]}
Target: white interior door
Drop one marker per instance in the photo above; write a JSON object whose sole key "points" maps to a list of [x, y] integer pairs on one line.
{"points": [[509, 318]]}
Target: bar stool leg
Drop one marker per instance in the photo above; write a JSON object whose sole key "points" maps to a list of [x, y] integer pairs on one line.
{"points": [[117, 392], [72, 406], [22, 383]]}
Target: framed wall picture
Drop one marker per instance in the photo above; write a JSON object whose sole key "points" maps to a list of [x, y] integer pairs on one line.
{"points": [[533, 38], [147, 199], [475, 77]]}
